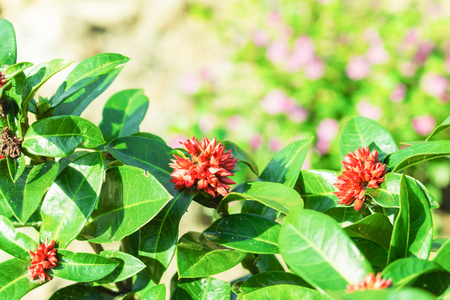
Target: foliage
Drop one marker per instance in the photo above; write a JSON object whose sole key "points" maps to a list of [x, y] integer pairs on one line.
{"points": [[74, 180]]}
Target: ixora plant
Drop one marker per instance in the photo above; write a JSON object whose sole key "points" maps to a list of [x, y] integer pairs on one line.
{"points": [[363, 233]]}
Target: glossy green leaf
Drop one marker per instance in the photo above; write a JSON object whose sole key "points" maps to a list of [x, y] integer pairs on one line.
{"points": [[240, 154], [437, 283], [374, 227], [413, 228], [264, 279], [376, 254], [437, 244], [285, 166], [158, 238], [25, 195], [198, 256], [257, 208], [82, 267], [360, 132], [157, 292], [123, 113], [80, 292], [313, 244], [143, 153], [39, 75], [77, 103], [130, 197], [15, 69], [269, 262], [151, 136], [245, 232], [16, 166], [407, 157], [284, 291], [8, 50], [13, 96], [388, 294], [317, 190], [85, 73], [405, 270], [128, 266], [71, 199], [60, 136], [441, 127], [5, 210], [442, 257], [344, 215], [15, 243], [388, 193], [208, 288], [274, 195], [14, 281]]}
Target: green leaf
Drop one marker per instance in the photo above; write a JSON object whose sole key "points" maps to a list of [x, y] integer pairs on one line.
{"points": [[413, 228], [240, 154], [85, 73], [344, 215], [71, 199], [313, 244], [198, 256], [8, 50], [274, 195], [80, 292], [437, 282], [442, 257], [13, 96], [157, 292], [441, 127], [82, 267], [15, 69], [405, 270], [269, 262], [15, 243], [388, 193], [5, 210], [123, 113], [14, 282], [285, 166], [273, 278], [437, 244], [151, 136], [130, 198], [39, 75], [285, 291], [407, 157], [317, 190], [77, 103], [143, 153], [245, 232], [388, 294], [16, 166], [374, 227], [158, 238], [360, 132], [128, 266], [377, 255], [60, 136], [207, 288], [25, 195]]}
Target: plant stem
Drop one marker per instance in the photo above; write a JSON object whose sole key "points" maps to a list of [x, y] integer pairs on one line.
{"points": [[250, 262], [97, 247]]}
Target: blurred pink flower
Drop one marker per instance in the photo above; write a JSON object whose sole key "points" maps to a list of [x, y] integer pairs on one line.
{"points": [[274, 144], [206, 123], [327, 129], [314, 69], [298, 114], [260, 38], [302, 54], [358, 68], [423, 125], [277, 51], [408, 68], [368, 110], [411, 37], [256, 141], [207, 74], [235, 122], [275, 102], [398, 94], [372, 36], [175, 140], [190, 83], [423, 51], [435, 85], [322, 146], [377, 54]]}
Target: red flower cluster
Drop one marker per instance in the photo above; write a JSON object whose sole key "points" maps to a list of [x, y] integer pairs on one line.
{"points": [[370, 282], [361, 170], [207, 169], [44, 258], [2, 79]]}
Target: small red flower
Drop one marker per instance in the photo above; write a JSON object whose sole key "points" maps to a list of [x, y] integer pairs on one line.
{"points": [[361, 170], [370, 282], [44, 258], [2, 79], [207, 169], [2, 156]]}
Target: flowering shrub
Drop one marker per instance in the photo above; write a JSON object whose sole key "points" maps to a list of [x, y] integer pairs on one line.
{"points": [[73, 180]]}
